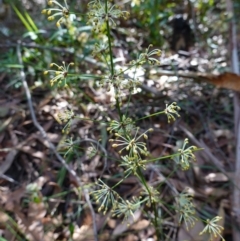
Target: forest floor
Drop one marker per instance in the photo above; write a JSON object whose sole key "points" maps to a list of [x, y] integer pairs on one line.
{"points": [[39, 199]]}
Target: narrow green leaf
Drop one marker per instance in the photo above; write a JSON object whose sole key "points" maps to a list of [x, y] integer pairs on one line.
{"points": [[2, 239], [31, 22], [23, 20]]}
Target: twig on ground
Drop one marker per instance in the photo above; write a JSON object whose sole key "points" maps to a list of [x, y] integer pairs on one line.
{"points": [[100, 146], [7, 163], [211, 157], [153, 168], [51, 146]]}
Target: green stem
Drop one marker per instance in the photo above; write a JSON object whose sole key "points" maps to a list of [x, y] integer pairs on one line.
{"points": [[82, 76], [105, 58], [125, 177], [157, 113], [139, 171], [168, 156], [153, 204], [155, 221], [111, 60], [130, 67]]}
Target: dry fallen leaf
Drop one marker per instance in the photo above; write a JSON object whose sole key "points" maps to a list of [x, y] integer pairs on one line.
{"points": [[217, 177], [83, 233], [227, 80], [193, 233], [3, 219], [140, 225], [122, 227]]}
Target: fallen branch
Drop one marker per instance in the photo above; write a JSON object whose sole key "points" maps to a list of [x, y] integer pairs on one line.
{"points": [[226, 80]]}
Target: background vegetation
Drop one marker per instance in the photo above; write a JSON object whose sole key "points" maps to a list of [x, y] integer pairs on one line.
{"points": [[48, 151]]}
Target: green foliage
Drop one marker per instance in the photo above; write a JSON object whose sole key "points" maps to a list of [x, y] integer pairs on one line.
{"points": [[61, 11], [2, 239], [213, 228], [128, 138], [26, 19], [60, 75], [186, 208], [153, 15]]}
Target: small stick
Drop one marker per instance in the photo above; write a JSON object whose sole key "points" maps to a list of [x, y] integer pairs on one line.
{"points": [[51, 146]]}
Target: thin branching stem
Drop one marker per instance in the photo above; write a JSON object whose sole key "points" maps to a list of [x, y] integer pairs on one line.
{"points": [[111, 59]]}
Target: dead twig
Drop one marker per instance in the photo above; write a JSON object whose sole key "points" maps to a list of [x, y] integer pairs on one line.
{"points": [[9, 158], [210, 156], [51, 146], [98, 145]]}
